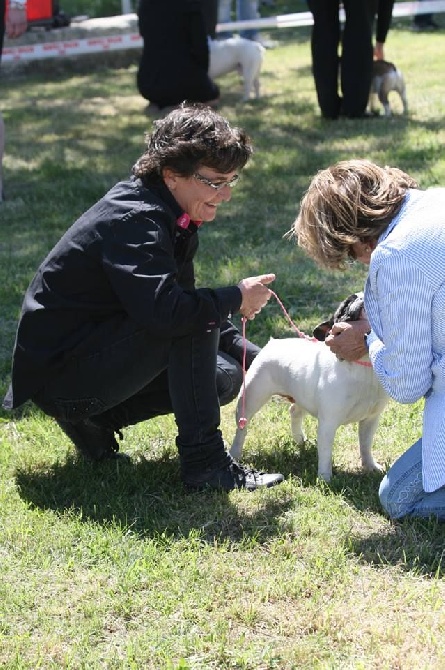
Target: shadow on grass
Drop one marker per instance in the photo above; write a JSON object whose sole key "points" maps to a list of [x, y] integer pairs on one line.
{"points": [[358, 488], [149, 498], [413, 545]]}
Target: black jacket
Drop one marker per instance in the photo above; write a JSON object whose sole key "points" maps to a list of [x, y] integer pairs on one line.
{"points": [[124, 259]]}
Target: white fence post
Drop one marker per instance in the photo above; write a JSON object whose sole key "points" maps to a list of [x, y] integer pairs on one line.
{"points": [[126, 7]]}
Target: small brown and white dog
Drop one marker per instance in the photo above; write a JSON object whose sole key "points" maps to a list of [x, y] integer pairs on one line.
{"points": [[237, 53], [386, 78], [335, 391]]}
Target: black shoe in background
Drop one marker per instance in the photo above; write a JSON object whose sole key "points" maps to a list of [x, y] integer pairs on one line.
{"points": [[424, 22]]}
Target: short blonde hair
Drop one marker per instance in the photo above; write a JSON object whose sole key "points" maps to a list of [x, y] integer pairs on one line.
{"points": [[351, 201]]}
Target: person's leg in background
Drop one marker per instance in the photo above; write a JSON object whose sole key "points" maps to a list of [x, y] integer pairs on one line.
{"points": [[210, 11], [325, 41], [357, 56], [401, 491], [2, 124], [224, 16], [424, 22], [2, 151], [247, 10]]}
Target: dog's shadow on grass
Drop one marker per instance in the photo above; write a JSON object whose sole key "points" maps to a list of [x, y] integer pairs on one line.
{"points": [[412, 545], [148, 498], [360, 489]]}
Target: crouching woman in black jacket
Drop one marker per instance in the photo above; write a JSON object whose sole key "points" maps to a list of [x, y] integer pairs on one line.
{"points": [[113, 331]]}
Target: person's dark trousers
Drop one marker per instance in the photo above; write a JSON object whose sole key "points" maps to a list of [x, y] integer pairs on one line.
{"points": [[210, 11], [356, 55], [193, 390], [325, 40], [134, 378]]}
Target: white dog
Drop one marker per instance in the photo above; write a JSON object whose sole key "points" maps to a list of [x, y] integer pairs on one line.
{"points": [[237, 53], [386, 78], [335, 391]]}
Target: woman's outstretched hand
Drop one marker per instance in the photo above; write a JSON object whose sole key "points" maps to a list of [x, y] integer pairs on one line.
{"points": [[255, 294]]}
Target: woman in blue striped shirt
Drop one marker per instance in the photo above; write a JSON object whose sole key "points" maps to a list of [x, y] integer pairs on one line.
{"points": [[378, 216]]}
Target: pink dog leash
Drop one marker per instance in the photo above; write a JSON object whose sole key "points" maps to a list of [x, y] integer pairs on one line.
{"points": [[242, 421]]}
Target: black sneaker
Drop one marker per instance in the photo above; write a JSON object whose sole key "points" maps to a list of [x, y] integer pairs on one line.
{"points": [[94, 442], [234, 476]]}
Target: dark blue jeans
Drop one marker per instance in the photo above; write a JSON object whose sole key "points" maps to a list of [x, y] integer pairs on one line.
{"points": [[135, 378]]}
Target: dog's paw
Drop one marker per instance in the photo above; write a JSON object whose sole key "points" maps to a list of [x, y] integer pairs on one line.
{"points": [[372, 466], [325, 476], [299, 438]]}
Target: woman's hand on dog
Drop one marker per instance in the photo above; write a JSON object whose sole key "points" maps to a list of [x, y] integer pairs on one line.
{"points": [[255, 294], [346, 339]]}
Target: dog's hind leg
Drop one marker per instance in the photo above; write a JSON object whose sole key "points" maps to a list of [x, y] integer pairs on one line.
{"points": [[247, 88], [372, 104], [366, 431], [256, 87], [383, 97], [402, 93]]}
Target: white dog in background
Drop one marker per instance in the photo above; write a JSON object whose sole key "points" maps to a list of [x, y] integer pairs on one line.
{"points": [[308, 374], [238, 53]]}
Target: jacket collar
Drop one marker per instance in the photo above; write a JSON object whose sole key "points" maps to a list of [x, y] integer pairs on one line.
{"points": [[182, 218]]}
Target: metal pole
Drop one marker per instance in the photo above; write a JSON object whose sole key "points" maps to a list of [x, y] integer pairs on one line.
{"points": [[126, 7]]}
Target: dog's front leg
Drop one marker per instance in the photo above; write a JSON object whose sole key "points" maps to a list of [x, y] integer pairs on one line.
{"points": [[366, 432], [247, 86], [256, 87], [325, 439], [236, 449]]}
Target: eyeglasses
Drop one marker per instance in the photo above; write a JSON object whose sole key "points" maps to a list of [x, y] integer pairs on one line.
{"points": [[218, 185]]}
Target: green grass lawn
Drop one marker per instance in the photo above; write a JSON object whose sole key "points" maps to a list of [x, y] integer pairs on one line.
{"points": [[116, 566]]}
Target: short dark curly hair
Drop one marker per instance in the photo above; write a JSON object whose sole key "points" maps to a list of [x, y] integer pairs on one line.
{"points": [[191, 136]]}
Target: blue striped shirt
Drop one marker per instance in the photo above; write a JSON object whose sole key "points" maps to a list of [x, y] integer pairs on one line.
{"points": [[405, 304]]}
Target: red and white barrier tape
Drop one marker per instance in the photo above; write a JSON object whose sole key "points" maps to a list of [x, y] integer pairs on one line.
{"points": [[92, 45], [71, 47]]}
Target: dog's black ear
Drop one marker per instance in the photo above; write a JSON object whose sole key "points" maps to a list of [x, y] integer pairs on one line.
{"points": [[350, 308], [322, 330]]}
